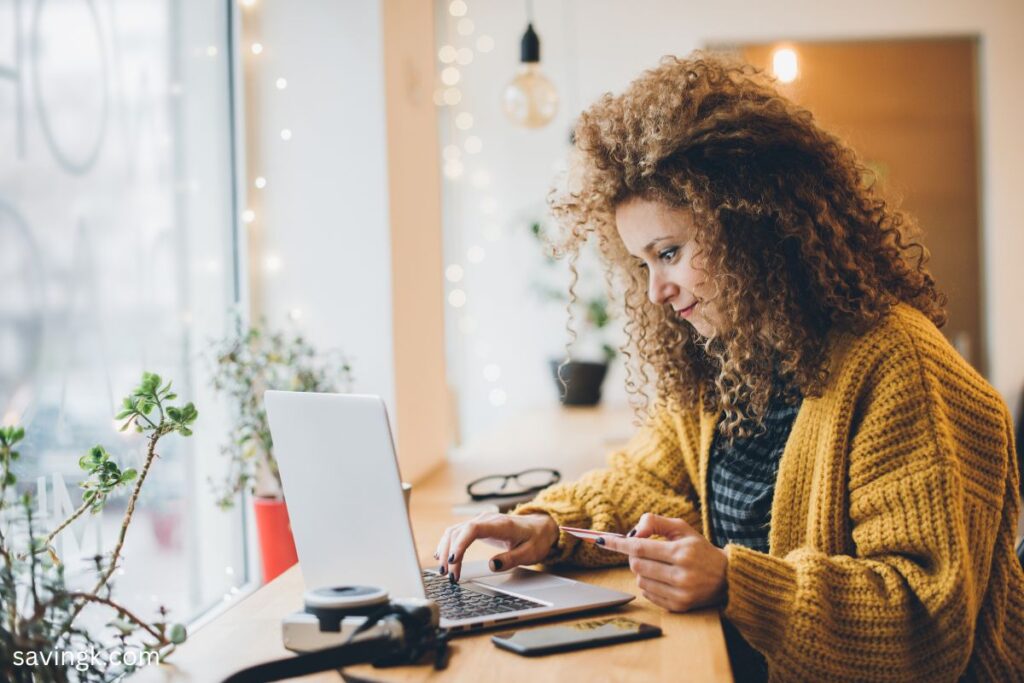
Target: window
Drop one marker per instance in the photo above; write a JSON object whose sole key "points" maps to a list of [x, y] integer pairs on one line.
{"points": [[117, 256]]}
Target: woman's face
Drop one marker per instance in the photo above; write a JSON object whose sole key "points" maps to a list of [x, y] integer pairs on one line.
{"points": [[661, 239]]}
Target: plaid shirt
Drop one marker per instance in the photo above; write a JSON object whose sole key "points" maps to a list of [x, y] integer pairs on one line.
{"points": [[741, 487], [741, 478]]}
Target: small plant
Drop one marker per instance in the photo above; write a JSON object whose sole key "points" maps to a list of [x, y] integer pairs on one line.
{"points": [[247, 364], [595, 331], [40, 639]]}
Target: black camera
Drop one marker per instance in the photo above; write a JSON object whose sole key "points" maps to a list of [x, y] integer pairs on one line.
{"points": [[345, 625]]}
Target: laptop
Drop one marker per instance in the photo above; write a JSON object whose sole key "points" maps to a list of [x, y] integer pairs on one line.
{"points": [[351, 526]]}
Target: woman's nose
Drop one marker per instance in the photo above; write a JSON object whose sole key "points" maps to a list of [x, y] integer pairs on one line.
{"points": [[659, 290]]}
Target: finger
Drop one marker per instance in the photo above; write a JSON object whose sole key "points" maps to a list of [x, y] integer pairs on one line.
{"points": [[442, 548], [526, 552], [670, 597], [469, 532], [659, 571], [669, 527], [638, 547]]}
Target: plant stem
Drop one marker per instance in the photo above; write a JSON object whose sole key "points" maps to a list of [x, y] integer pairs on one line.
{"points": [[125, 521], [63, 525], [89, 597]]}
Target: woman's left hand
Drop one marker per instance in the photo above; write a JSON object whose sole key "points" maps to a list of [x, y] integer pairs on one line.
{"points": [[682, 573]]}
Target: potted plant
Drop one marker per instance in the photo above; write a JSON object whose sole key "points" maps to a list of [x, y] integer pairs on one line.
{"points": [[246, 364], [42, 638], [579, 377]]}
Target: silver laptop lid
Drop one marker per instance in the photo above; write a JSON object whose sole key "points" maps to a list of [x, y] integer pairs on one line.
{"points": [[344, 492]]}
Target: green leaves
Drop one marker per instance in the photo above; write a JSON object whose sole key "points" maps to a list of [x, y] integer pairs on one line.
{"points": [[104, 477], [9, 436], [146, 409]]}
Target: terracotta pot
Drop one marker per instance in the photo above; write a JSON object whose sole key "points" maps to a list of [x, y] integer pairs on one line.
{"points": [[277, 547]]}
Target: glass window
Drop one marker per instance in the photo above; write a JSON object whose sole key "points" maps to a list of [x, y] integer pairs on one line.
{"points": [[116, 256]]}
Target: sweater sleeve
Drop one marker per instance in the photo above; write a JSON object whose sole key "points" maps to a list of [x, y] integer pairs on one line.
{"points": [[650, 474], [927, 466]]}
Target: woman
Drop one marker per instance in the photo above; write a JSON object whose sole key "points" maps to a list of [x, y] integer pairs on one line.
{"points": [[818, 461]]}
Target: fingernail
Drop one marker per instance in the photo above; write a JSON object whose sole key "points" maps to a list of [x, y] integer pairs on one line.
{"points": [[451, 558], [495, 565], [452, 579], [631, 534], [442, 570], [600, 540], [437, 555]]}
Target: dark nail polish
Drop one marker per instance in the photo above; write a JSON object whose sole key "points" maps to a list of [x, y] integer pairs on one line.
{"points": [[442, 570], [451, 578], [600, 540], [631, 534], [451, 558], [496, 565]]}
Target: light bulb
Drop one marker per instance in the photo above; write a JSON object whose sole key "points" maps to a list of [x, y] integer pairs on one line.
{"points": [[530, 100]]}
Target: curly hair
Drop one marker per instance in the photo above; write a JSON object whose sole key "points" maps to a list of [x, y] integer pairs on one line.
{"points": [[796, 237]]}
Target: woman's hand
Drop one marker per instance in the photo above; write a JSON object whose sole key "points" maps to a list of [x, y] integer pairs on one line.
{"points": [[682, 573], [526, 538]]}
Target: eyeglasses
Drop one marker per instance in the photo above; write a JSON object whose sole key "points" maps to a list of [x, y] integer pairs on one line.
{"points": [[510, 485]]}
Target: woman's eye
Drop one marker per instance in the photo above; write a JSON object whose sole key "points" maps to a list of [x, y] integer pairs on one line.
{"points": [[668, 254]]}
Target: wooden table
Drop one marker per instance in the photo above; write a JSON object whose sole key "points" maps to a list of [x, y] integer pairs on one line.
{"points": [[692, 649]]}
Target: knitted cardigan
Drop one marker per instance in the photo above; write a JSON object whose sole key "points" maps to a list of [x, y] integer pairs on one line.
{"points": [[891, 543]]}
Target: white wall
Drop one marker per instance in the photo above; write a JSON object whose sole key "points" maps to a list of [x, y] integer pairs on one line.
{"points": [[593, 46], [325, 206]]}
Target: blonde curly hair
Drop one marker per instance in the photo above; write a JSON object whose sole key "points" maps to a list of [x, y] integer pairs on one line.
{"points": [[794, 232]]}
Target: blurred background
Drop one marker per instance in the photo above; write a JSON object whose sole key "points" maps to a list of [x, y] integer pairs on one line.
{"points": [[372, 176]]}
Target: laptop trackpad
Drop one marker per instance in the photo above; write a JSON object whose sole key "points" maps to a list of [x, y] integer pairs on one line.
{"points": [[520, 580]]}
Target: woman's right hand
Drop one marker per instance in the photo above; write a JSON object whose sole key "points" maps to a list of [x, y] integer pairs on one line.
{"points": [[527, 539]]}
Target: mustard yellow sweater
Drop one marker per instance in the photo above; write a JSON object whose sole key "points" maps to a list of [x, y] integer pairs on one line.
{"points": [[891, 543]]}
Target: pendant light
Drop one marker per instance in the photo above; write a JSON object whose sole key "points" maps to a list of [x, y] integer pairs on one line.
{"points": [[530, 99]]}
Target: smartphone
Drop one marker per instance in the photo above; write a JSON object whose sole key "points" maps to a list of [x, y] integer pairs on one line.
{"points": [[565, 637]]}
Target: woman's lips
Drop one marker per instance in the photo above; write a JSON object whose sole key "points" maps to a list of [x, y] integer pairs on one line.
{"points": [[685, 312]]}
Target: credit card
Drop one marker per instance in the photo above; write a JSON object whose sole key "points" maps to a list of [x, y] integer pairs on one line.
{"points": [[587, 534]]}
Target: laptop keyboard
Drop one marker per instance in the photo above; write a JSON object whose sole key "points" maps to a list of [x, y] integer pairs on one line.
{"points": [[457, 602]]}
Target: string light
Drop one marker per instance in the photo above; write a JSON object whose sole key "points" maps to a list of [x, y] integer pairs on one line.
{"points": [[464, 56], [295, 314], [211, 51], [475, 254], [465, 27], [286, 134], [453, 169], [452, 96], [447, 54], [457, 298], [248, 3], [248, 216], [256, 48], [454, 273], [281, 83], [451, 152], [464, 120], [272, 263], [484, 43], [457, 8], [260, 182], [450, 75]]}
